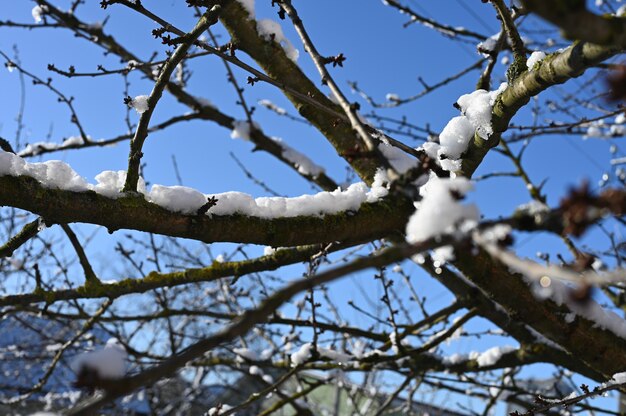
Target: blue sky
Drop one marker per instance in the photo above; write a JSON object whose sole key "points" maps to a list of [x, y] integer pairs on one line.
{"points": [[382, 56]]}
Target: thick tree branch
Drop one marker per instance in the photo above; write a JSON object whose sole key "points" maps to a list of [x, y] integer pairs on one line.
{"points": [[490, 309], [555, 69], [596, 347], [371, 221]]}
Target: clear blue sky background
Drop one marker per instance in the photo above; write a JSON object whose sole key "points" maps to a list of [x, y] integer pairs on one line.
{"points": [[382, 56]]}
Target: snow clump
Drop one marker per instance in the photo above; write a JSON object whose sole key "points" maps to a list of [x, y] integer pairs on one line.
{"points": [[454, 139], [242, 129], [38, 12], [477, 107], [439, 211], [140, 103], [492, 355], [221, 409], [303, 354], [108, 363], [534, 57], [56, 174]]}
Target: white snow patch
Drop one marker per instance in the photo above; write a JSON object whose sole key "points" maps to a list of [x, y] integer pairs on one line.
{"points": [[538, 210], [266, 354], [442, 255], [303, 354], [534, 57], [497, 233], [110, 184], [617, 130], [57, 174], [242, 129], [304, 165], [270, 105], [380, 186], [73, 141], [336, 356], [305, 205], [177, 198], [533, 207], [455, 137], [271, 31], [477, 107], [35, 148], [109, 363], [248, 5], [454, 359], [216, 411], [439, 212], [487, 46], [132, 64], [393, 338], [140, 103], [204, 102], [38, 11], [246, 353], [560, 293], [492, 355], [618, 378], [594, 131], [52, 174]]}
